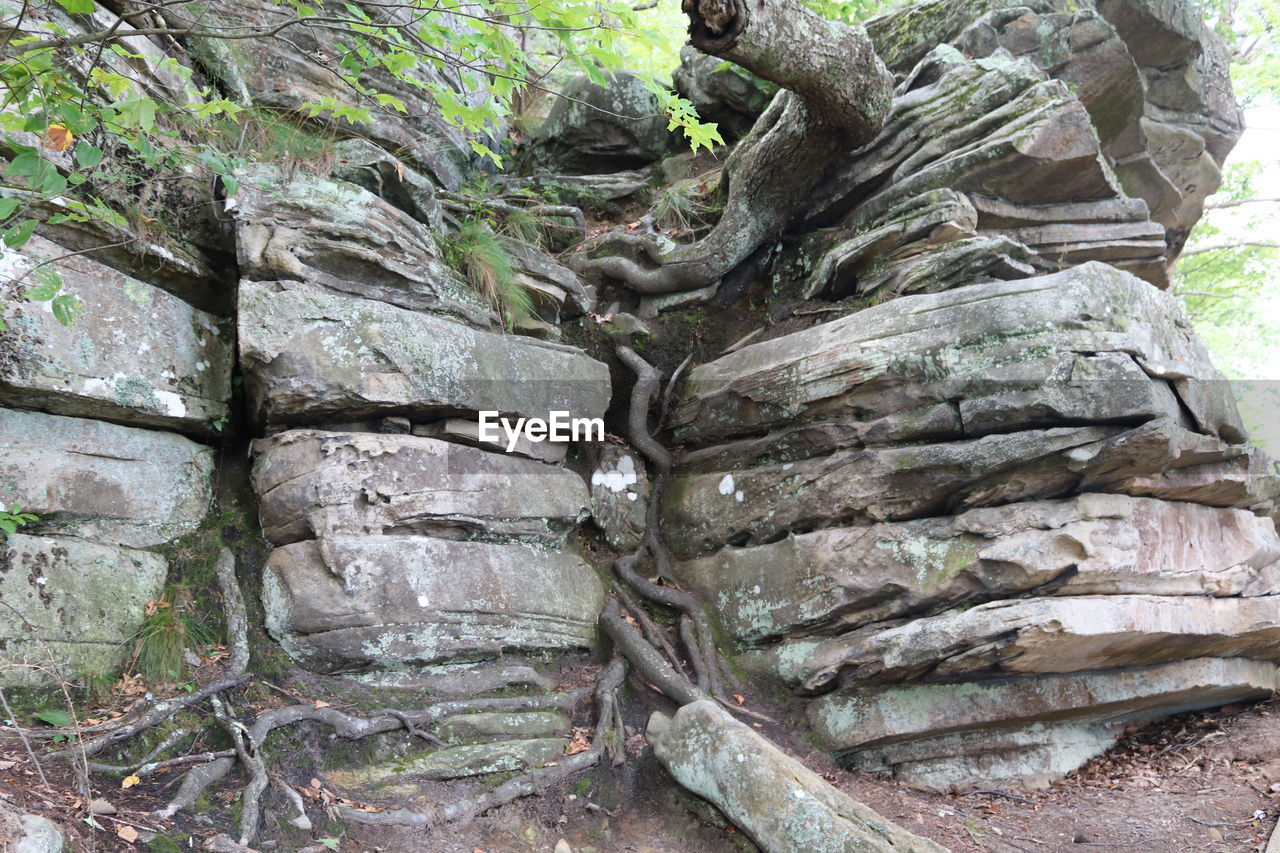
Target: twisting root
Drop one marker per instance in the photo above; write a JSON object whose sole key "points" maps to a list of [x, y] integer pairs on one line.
{"points": [[525, 784], [648, 381]]}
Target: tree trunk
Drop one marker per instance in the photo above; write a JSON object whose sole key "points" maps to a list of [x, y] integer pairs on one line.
{"points": [[836, 95]]}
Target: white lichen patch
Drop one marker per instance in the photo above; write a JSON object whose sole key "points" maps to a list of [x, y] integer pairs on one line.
{"points": [[619, 478]]}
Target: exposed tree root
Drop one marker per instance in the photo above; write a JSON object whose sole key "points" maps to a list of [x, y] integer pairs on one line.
{"points": [[527, 783], [836, 96]]}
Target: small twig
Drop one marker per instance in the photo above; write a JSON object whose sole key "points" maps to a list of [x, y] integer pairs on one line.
{"points": [[22, 736]]}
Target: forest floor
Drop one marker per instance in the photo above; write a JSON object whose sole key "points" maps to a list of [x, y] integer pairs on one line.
{"points": [[1196, 782]]}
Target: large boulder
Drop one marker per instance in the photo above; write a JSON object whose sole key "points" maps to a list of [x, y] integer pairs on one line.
{"points": [[783, 806], [74, 607], [312, 483], [101, 481], [359, 602], [137, 354], [311, 355], [596, 128]]}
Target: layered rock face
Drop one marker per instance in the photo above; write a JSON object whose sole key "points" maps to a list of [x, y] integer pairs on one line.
{"points": [[1009, 507], [410, 551], [97, 452]]}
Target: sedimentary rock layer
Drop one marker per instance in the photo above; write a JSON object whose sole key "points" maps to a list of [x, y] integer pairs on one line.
{"points": [[312, 483]]}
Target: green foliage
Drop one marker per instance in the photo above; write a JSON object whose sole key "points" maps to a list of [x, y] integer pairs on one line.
{"points": [[55, 717], [476, 252], [853, 11], [13, 518]]}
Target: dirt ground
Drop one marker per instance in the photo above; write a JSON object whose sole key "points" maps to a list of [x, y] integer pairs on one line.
{"points": [[1197, 782]]}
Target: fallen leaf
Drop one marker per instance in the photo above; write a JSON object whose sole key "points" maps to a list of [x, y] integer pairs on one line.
{"points": [[58, 138], [129, 781], [320, 703], [579, 743], [315, 783], [127, 833], [739, 698]]}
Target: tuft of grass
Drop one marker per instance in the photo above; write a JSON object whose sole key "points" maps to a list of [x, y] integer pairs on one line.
{"points": [[688, 205], [172, 625], [476, 252]]}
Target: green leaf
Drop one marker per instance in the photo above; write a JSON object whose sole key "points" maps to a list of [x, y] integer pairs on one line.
{"points": [[87, 156], [77, 7], [25, 165], [17, 236], [55, 717], [66, 308], [7, 207], [8, 525], [50, 284]]}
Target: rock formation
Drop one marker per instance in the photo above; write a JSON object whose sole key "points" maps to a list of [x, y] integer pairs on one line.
{"points": [[997, 508]]}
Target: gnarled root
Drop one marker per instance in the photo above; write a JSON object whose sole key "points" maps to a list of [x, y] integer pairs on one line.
{"points": [[836, 96]]}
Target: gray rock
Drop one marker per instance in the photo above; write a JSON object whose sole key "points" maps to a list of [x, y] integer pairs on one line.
{"points": [[74, 606], [136, 354], [312, 483], [783, 806], [1033, 756], [872, 717], [1093, 544], [339, 236], [489, 725], [351, 603], [620, 497], [1008, 353], [309, 354], [104, 482], [1041, 636], [281, 75], [453, 762], [28, 833], [364, 164], [603, 128], [467, 432]]}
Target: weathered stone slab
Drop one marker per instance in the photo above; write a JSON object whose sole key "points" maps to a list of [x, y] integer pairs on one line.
{"points": [[487, 725], [101, 481], [704, 512], [868, 717], [1089, 344], [453, 762], [597, 128], [137, 354], [350, 603], [620, 497], [468, 432], [339, 236], [1032, 756], [309, 355], [1041, 636], [778, 802], [1092, 544], [312, 483], [73, 606]]}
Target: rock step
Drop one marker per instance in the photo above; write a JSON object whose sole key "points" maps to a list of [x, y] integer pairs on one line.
{"points": [[311, 355], [846, 577], [852, 720], [312, 483], [350, 603], [1039, 636]]}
